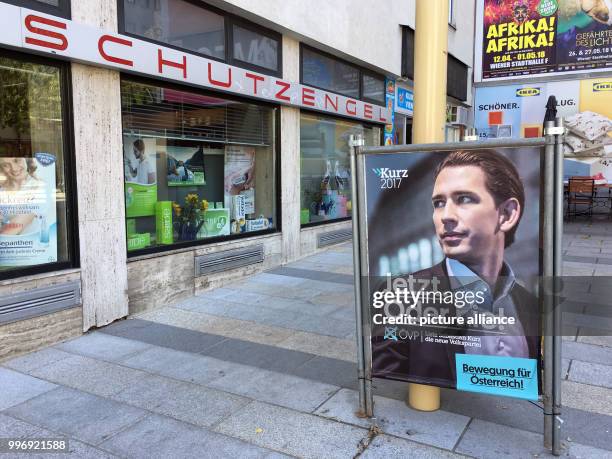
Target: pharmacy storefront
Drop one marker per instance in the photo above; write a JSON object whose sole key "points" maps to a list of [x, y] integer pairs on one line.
{"points": [[144, 166]]}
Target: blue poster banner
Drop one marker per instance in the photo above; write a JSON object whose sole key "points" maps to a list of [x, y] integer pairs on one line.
{"points": [[495, 375], [390, 103]]}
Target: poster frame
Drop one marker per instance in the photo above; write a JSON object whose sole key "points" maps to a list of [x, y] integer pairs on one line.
{"points": [[551, 266], [478, 45]]}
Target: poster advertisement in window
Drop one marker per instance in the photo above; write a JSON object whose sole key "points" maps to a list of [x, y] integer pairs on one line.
{"points": [[186, 166], [528, 37], [140, 169], [454, 289], [239, 180], [28, 222]]}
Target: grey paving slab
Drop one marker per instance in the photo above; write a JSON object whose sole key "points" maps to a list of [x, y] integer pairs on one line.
{"points": [[16, 388], [180, 365], [604, 324], [500, 410], [604, 260], [331, 371], [103, 346], [591, 373], [314, 324], [82, 416], [184, 401], [27, 363], [488, 440], [439, 428], [259, 355], [580, 259], [298, 434], [599, 310], [89, 375], [590, 298], [162, 437], [314, 275], [15, 428], [165, 335], [587, 352], [583, 452], [392, 447], [277, 388]]}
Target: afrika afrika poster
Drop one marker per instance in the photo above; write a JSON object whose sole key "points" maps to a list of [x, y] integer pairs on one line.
{"points": [[527, 37]]}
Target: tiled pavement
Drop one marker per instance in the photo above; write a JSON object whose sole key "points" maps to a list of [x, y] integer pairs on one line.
{"points": [[265, 367]]}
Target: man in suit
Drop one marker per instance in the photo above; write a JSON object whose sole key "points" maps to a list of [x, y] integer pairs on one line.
{"points": [[478, 201]]}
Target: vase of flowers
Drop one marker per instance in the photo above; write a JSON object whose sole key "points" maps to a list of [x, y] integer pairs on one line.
{"points": [[189, 218]]}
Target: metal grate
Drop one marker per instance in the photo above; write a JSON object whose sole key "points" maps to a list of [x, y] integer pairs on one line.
{"points": [[228, 259], [334, 237], [40, 301]]}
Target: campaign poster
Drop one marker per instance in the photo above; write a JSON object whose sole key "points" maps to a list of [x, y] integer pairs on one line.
{"points": [[239, 178], [519, 38], [185, 166], [453, 289], [140, 169], [28, 223]]}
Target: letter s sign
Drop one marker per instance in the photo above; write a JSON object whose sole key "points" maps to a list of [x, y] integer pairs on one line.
{"points": [[30, 22]]}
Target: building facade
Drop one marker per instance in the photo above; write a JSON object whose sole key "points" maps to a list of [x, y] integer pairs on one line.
{"points": [[154, 149]]}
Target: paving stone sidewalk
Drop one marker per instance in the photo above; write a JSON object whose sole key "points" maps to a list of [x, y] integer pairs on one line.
{"points": [[265, 367]]}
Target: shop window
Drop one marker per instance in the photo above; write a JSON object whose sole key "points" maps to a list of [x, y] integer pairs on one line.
{"points": [[325, 72], [178, 23], [373, 89], [254, 48], [35, 208], [407, 52], [456, 78], [325, 184], [55, 7], [197, 167]]}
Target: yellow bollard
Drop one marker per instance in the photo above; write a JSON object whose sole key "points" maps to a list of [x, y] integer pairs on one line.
{"points": [[430, 57]]}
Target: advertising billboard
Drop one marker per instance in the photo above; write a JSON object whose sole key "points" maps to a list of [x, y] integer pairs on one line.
{"points": [[28, 220], [525, 38], [453, 290]]}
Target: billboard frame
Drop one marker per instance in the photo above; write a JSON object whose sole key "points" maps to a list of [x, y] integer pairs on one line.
{"points": [[552, 144]]}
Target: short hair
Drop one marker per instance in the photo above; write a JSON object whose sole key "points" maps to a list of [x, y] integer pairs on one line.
{"points": [[139, 144], [501, 178]]}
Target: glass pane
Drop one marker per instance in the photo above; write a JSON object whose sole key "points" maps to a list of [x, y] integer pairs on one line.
{"points": [[327, 73], [177, 23], [255, 48], [195, 182], [49, 2], [32, 185], [374, 89], [325, 166]]}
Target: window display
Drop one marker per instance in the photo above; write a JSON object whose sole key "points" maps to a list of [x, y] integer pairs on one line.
{"points": [[196, 166], [33, 228], [325, 166]]}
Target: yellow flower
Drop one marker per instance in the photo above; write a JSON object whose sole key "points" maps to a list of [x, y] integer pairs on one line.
{"points": [[192, 198], [204, 205]]}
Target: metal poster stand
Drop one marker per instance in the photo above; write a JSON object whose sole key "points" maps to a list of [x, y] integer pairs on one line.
{"points": [[552, 207]]}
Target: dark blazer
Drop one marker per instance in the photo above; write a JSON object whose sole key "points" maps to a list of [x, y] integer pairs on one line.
{"points": [[434, 363]]}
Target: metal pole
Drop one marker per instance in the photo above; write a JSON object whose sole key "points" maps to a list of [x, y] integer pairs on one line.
{"points": [[365, 284], [547, 275], [356, 142], [557, 273]]}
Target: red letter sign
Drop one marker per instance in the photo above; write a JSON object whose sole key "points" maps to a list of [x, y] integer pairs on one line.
{"points": [[161, 62], [217, 82], [255, 78], [46, 33], [103, 39]]}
